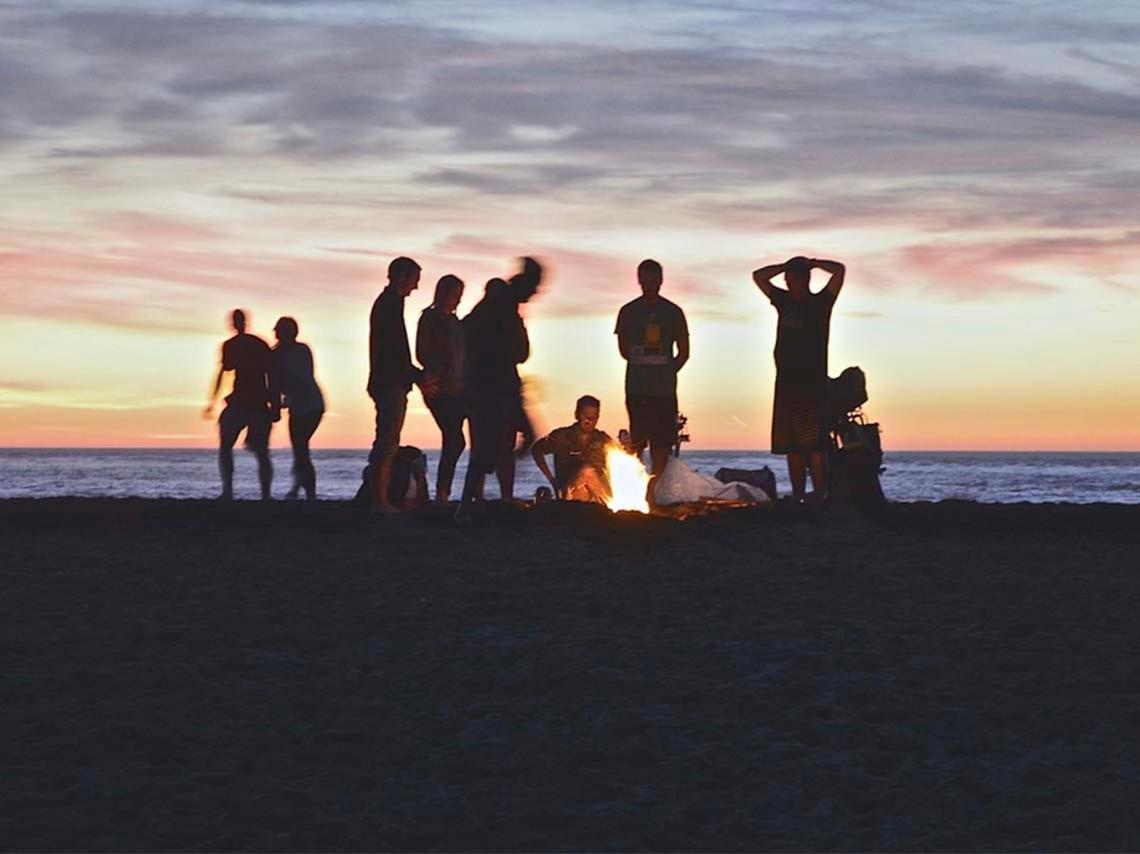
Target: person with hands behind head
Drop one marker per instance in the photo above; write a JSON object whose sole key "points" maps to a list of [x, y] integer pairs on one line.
{"points": [[799, 412]]}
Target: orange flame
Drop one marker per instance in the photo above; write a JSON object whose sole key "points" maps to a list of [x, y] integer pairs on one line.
{"points": [[629, 481]]}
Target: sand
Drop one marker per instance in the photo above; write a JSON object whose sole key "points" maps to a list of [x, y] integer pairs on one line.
{"points": [[182, 675]]}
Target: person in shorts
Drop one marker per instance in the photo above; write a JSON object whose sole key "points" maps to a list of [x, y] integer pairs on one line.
{"points": [[391, 375], [799, 412], [653, 338], [249, 406]]}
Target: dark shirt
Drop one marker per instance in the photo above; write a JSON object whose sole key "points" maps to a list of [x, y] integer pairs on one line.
{"points": [[248, 357], [801, 335], [572, 450], [653, 328], [495, 343], [389, 357], [439, 348], [292, 376]]}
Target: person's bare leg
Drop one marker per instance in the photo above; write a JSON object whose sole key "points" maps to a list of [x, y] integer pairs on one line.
{"points": [[309, 471], [505, 471], [265, 474], [476, 471], [305, 474], [299, 473], [226, 468], [818, 476], [226, 441], [472, 492], [797, 473], [380, 480], [659, 457], [310, 482], [453, 445]]}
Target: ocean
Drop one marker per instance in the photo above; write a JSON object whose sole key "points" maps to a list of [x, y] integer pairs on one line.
{"points": [[999, 477]]}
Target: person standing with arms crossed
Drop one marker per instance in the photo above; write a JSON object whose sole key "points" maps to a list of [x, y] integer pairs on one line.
{"points": [[390, 376], [799, 413], [653, 338]]}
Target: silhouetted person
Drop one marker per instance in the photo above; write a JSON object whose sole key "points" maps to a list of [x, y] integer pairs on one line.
{"points": [[800, 411], [653, 338], [579, 455], [525, 425], [496, 344], [293, 378], [249, 406], [391, 375], [440, 349]]}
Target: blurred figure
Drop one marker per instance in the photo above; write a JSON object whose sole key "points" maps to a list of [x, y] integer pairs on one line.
{"points": [[624, 441], [524, 426], [249, 406], [800, 412], [440, 349], [496, 344], [294, 385], [391, 375], [579, 455], [653, 338]]}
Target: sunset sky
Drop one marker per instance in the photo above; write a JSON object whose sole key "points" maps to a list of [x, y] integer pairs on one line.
{"points": [[976, 166]]}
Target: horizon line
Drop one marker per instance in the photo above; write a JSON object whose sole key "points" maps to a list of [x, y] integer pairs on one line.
{"points": [[366, 448]]}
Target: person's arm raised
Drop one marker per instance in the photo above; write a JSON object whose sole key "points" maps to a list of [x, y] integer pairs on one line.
{"points": [[838, 271], [763, 278]]}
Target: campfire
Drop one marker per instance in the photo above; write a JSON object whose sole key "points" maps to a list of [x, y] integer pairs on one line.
{"points": [[629, 481]]}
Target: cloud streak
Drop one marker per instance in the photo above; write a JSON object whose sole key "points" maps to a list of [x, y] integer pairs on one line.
{"points": [[331, 120]]}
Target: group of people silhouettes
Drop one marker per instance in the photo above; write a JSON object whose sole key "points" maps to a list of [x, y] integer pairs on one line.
{"points": [[468, 371]]}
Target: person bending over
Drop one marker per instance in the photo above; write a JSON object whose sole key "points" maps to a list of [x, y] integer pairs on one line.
{"points": [[249, 407], [653, 338], [579, 455], [799, 414]]}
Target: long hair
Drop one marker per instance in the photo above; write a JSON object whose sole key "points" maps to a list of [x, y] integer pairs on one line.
{"points": [[445, 287]]}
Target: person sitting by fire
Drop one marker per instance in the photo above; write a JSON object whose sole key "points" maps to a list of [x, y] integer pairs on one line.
{"points": [[579, 455]]}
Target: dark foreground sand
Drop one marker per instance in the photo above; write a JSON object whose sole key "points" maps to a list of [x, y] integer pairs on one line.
{"points": [[179, 675]]}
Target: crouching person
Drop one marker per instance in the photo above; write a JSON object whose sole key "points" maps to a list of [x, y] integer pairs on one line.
{"points": [[579, 453]]}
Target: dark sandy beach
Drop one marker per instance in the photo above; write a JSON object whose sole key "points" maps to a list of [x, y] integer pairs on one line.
{"points": [[181, 675]]}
